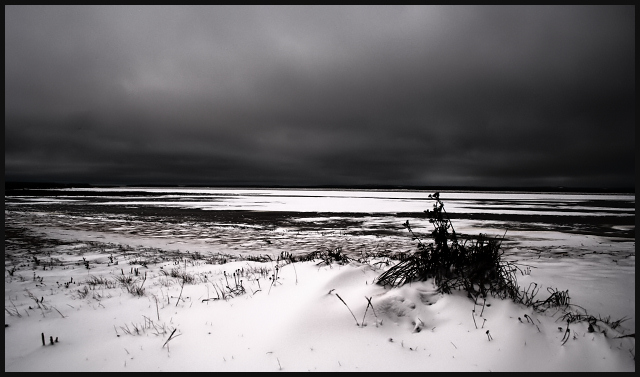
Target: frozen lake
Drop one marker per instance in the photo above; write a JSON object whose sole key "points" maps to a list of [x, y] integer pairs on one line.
{"points": [[348, 201], [379, 212]]}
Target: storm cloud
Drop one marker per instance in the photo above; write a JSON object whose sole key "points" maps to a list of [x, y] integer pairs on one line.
{"points": [[326, 95]]}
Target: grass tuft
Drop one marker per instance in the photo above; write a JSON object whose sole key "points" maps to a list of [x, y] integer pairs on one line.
{"points": [[328, 256]]}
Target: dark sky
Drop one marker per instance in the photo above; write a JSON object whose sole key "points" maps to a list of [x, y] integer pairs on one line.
{"points": [[241, 95]]}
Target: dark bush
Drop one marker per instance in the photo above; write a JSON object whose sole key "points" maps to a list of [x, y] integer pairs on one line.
{"points": [[475, 265]]}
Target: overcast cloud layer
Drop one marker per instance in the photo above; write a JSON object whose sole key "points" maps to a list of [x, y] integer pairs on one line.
{"points": [[533, 96]]}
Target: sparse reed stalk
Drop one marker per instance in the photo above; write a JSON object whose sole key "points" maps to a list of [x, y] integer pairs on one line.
{"points": [[274, 278], [369, 304], [294, 267], [364, 316], [14, 311], [489, 336], [157, 310], [56, 309], [567, 334], [181, 288], [143, 280], [171, 337], [345, 304]]}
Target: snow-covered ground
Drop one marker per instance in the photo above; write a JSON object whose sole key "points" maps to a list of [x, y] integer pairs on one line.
{"points": [[313, 317]]}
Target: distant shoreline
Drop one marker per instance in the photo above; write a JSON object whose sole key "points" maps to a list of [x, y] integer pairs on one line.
{"points": [[10, 186]]}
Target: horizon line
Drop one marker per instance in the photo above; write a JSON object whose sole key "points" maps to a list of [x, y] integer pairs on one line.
{"points": [[12, 185]]}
